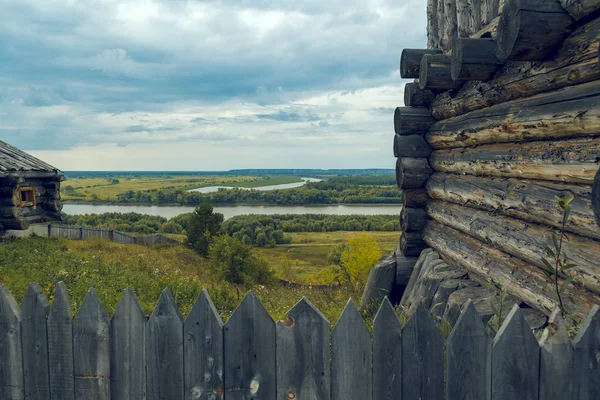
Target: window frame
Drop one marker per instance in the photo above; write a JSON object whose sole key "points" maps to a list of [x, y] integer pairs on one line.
{"points": [[27, 189]]}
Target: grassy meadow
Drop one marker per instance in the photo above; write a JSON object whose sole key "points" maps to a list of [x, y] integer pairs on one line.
{"points": [[106, 189], [111, 267]]}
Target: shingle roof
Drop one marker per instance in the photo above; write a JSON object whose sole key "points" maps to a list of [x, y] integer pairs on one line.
{"points": [[13, 159]]}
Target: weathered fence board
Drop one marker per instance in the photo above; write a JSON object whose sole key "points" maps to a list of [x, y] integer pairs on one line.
{"points": [[11, 358], [203, 351], [45, 355], [469, 357], [127, 342], [422, 358], [85, 233], [303, 354], [587, 358], [515, 360], [250, 360], [164, 351], [34, 340], [351, 371], [60, 346], [91, 350], [387, 354], [556, 363]]}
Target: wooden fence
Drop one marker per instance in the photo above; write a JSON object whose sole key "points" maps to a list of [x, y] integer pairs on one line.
{"points": [[83, 233], [47, 354]]}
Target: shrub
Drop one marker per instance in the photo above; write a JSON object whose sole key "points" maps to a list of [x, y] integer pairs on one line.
{"points": [[236, 262], [203, 226]]}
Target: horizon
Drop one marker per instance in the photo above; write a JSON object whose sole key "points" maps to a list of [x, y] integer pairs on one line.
{"points": [[211, 85]]}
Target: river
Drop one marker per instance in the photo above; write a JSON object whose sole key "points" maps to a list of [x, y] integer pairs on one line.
{"points": [[211, 189], [232, 211]]}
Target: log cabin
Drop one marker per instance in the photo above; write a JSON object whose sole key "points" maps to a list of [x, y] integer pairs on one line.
{"points": [[502, 116], [29, 190]]}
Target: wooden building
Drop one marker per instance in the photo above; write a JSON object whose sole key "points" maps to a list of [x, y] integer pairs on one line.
{"points": [[503, 115], [29, 190]]}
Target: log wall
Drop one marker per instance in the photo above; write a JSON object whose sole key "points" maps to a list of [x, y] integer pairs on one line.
{"points": [[514, 89]]}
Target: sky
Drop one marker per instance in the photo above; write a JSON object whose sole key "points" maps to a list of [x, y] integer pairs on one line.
{"points": [[204, 85]]}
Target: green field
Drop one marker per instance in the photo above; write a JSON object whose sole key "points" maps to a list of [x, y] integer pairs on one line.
{"points": [[106, 189], [110, 268]]}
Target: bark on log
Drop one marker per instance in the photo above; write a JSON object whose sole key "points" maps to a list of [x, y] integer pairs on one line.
{"points": [[412, 219], [531, 201], [412, 121], [530, 30], [468, 17], [432, 25], [571, 161], [380, 282], [412, 173], [580, 8], [411, 146], [441, 4], [410, 61], [451, 33], [596, 197], [414, 198], [575, 63], [521, 239], [568, 112], [435, 73], [474, 60], [416, 97], [490, 10], [488, 264]]}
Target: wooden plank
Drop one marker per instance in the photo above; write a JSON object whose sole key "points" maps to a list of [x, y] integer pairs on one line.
{"points": [[570, 161], [557, 362], [203, 350], [587, 360], [303, 368], [422, 357], [515, 360], [11, 357], [34, 339], [351, 370], [164, 351], [250, 356], [91, 350], [387, 354], [127, 342], [60, 346], [469, 357]]}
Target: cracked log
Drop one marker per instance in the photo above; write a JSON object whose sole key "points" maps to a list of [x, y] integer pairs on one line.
{"points": [[530, 30], [488, 264], [576, 62], [435, 73], [412, 173], [565, 113], [571, 161], [531, 201], [521, 239], [474, 60]]}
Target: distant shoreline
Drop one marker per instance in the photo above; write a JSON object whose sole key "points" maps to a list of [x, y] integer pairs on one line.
{"points": [[113, 203]]}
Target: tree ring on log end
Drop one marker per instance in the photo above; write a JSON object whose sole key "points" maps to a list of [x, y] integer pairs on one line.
{"points": [[596, 197]]}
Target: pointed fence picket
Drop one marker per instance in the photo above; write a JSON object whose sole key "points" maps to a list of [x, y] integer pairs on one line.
{"points": [[46, 355]]}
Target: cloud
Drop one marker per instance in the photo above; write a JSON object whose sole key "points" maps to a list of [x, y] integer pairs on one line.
{"points": [[141, 73]]}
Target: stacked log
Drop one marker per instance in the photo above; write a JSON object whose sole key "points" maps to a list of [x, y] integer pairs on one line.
{"points": [[435, 73], [474, 60], [417, 97], [596, 197]]}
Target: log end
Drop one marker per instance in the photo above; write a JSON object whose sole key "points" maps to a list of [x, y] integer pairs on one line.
{"points": [[507, 31]]}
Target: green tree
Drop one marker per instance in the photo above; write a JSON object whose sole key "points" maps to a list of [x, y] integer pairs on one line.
{"points": [[238, 263], [203, 226]]}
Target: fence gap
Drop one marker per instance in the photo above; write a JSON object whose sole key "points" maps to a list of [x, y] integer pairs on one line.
{"points": [[127, 342], [515, 360], [351, 364], [164, 351], [387, 354], [11, 358], [303, 368], [91, 350], [203, 351], [34, 340], [469, 357], [60, 346], [250, 360]]}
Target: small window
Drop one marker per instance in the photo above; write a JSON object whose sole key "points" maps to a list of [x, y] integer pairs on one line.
{"points": [[27, 197]]}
